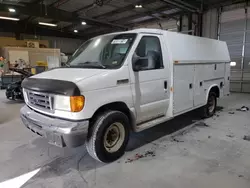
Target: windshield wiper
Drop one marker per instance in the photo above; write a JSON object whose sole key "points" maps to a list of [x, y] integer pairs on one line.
{"points": [[89, 64]]}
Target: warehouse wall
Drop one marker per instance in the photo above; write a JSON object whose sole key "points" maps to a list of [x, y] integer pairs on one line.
{"points": [[165, 24], [210, 24], [235, 30], [7, 34], [67, 45], [211, 19]]}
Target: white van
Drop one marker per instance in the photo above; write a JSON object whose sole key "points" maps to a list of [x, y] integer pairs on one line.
{"points": [[125, 81]]}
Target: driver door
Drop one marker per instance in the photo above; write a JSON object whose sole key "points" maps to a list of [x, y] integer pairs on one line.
{"points": [[150, 83]]}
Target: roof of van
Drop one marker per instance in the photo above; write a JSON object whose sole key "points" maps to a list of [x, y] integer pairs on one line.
{"points": [[146, 30], [188, 48], [191, 49]]}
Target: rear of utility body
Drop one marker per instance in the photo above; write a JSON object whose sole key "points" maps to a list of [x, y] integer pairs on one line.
{"points": [[186, 73], [192, 67]]}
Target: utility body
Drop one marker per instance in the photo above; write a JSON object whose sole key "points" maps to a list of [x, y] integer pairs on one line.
{"points": [[125, 81]]}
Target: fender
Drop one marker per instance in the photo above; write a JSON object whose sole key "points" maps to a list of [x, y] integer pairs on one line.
{"points": [[209, 89], [123, 107]]}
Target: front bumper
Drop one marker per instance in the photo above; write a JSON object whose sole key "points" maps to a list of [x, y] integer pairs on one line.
{"points": [[62, 133]]}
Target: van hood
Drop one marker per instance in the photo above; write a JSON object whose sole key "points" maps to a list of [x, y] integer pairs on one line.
{"points": [[70, 74]]}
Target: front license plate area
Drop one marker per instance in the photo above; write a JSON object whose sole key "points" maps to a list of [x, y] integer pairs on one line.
{"points": [[54, 139]]}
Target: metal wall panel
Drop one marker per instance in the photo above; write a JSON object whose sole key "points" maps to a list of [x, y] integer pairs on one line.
{"points": [[210, 24], [234, 26], [235, 75], [246, 76], [229, 16], [233, 38], [246, 87], [246, 62], [167, 24], [7, 34], [66, 45], [235, 87]]}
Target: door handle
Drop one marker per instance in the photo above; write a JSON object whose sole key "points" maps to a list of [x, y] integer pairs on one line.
{"points": [[190, 86], [165, 85], [201, 84]]}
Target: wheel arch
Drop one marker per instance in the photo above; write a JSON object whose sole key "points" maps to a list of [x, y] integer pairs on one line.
{"points": [[116, 106], [213, 88]]}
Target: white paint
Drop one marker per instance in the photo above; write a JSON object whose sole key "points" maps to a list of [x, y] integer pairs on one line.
{"points": [[70, 74], [188, 48], [119, 41], [19, 181], [144, 93]]}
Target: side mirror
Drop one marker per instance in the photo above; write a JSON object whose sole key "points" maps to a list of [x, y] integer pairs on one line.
{"points": [[139, 62]]}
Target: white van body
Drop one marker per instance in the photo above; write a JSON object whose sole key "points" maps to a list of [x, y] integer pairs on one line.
{"points": [[192, 68]]}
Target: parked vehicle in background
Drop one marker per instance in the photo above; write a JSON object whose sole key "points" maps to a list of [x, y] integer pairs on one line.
{"points": [[14, 90], [125, 81]]}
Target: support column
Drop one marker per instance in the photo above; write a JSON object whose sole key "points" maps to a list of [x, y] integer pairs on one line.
{"points": [[190, 20]]}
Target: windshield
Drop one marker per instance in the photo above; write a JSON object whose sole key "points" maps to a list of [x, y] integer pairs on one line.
{"points": [[103, 52]]}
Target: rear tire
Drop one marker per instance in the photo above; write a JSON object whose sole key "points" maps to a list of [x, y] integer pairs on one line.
{"points": [[210, 108], [108, 136]]}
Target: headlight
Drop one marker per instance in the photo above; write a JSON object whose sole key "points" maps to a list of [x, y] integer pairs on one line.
{"points": [[62, 103], [67, 103], [25, 96]]}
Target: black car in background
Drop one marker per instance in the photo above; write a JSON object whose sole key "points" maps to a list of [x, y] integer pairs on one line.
{"points": [[14, 90]]}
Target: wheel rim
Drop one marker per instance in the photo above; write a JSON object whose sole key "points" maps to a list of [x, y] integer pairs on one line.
{"points": [[211, 104], [114, 137]]}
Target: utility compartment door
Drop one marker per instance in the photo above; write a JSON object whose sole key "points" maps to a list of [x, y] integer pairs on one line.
{"points": [[199, 86], [183, 88]]}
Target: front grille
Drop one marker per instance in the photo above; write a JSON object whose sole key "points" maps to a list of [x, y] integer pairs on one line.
{"points": [[39, 100]]}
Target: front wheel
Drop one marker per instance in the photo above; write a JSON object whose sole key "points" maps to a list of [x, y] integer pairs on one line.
{"points": [[108, 136], [210, 108]]}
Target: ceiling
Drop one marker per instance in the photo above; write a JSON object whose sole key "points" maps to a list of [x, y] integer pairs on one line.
{"points": [[101, 16]]}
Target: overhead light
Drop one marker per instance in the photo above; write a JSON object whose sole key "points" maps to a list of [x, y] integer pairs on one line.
{"points": [[233, 64], [47, 24], [138, 6], [12, 10], [84, 23], [9, 18], [76, 31]]}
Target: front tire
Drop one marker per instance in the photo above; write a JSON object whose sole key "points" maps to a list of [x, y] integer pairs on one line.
{"points": [[108, 136], [210, 108]]}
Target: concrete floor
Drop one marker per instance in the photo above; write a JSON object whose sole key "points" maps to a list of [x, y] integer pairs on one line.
{"points": [[198, 155]]}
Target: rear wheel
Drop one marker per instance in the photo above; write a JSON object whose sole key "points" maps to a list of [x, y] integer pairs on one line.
{"points": [[210, 108], [108, 136]]}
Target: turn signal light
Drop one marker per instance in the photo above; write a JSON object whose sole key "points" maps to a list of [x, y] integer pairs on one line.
{"points": [[77, 103]]}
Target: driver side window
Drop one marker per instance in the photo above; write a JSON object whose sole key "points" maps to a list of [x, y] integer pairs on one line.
{"points": [[149, 49]]}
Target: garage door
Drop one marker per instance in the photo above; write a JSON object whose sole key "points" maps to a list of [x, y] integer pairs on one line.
{"points": [[235, 30]]}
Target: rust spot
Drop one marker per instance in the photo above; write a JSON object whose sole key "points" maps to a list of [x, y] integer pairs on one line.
{"points": [[176, 62]]}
